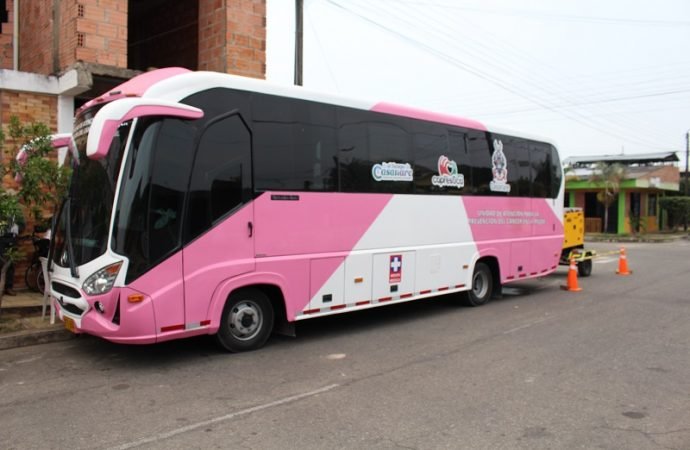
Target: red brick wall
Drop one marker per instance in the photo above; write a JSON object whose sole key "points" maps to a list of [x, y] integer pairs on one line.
{"points": [[101, 32], [246, 37], [28, 108], [232, 36], [6, 38], [67, 33], [667, 174], [36, 36]]}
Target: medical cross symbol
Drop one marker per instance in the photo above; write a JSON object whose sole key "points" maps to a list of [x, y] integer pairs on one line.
{"points": [[395, 274]]}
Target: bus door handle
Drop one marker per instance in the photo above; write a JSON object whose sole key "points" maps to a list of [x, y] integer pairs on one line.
{"points": [[250, 227]]}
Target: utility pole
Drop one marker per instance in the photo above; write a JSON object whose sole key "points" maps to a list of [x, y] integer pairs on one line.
{"points": [[299, 27], [687, 181], [687, 153]]}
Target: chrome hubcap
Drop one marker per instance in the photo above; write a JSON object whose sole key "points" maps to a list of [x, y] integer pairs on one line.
{"points": [[480, 284], [246, 320]]}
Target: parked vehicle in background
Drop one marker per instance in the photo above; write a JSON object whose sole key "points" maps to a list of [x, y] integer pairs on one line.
{"points": [[574, 242]]}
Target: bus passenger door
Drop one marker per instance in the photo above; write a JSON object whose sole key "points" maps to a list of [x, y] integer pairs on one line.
{"points": [[220, 214]]}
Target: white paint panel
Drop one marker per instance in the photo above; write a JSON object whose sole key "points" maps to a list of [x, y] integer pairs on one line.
{"points": [[382, 275], [358, 266], [407, 221], [439, 267], [439, 247]]}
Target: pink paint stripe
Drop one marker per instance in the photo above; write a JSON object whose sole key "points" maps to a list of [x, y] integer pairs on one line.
{"points": [[137, 86], [414, 113]]}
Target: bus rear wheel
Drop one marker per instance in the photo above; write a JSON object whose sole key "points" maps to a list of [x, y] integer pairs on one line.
{"points": [[584, 268], [247, 321], [482, 286]]}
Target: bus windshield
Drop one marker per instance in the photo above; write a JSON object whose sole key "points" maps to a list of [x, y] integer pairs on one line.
{"points": [[86, 212]]}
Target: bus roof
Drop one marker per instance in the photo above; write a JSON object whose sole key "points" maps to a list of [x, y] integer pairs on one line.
{"points": [[176, 83]]}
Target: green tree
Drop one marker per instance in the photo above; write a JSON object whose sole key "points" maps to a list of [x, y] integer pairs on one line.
{"points": [[610, 177], [41, 181], [678, 209]]}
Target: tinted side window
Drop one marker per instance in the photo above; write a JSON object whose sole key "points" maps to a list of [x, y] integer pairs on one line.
{"points": [[479, 159], [295, 144], [171, 168], [219, 101], [516, 152], [354, 165], [540, 159], [221, 176], [556, 173], [154, 184], [389, 143], [430, 142]]}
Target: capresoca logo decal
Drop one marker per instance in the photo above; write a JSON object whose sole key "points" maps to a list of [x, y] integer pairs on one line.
{"points": [[448, 174], [391, 171], [499, 169]]}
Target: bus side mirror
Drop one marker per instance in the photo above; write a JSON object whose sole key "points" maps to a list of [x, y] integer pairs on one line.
{"points": [[112, 115], [57, 141]]}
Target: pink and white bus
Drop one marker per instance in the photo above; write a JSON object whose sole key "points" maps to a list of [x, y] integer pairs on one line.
{"points": [[206, 203]]}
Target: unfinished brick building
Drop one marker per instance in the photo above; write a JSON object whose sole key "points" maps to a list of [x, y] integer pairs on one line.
{"points": [[56, 55]]}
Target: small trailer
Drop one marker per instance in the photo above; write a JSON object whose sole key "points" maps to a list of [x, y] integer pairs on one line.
{"points": [[574, 242]]}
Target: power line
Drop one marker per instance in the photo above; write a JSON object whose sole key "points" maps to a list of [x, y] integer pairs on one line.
{"points": [[486, 76], [553, 89], [533, 14]]}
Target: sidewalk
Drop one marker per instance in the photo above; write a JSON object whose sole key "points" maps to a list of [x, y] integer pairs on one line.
{"points": [[642, 237], [21, 322]]}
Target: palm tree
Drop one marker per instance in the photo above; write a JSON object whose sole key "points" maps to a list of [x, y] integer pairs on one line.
{"points": [[611, 176]]}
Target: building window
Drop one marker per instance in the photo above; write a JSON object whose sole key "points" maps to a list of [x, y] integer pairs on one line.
{"points": [[4, 16], [651, 205]]}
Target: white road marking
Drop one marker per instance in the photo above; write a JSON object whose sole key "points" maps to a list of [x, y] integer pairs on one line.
{"points": [[527, 325], [194, 426], [604, 260]]}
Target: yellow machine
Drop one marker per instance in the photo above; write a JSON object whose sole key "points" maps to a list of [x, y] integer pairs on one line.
{"points": [[574, 241]]}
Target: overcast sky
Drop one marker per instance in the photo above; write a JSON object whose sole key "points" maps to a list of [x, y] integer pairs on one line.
{"points": [[595, 76]]}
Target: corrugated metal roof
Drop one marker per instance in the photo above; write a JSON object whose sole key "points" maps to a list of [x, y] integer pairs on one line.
{"points": [[639, 158]]}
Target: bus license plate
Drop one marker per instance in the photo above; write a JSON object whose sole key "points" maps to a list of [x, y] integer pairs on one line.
{"points": [[69, 324]]}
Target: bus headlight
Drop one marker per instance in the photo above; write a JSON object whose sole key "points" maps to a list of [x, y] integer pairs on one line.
{"points": [[103, 280]]}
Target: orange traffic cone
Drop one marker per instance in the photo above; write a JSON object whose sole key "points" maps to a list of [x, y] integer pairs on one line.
{"points": [[572, 278], [623, 264]]}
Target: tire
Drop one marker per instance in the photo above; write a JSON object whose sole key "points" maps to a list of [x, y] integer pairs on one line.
{"points": [[247, 321], [584, 268], [482, 286], [31, 276], [40, 282]]}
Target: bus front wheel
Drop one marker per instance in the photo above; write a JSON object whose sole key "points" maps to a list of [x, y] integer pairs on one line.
{"points": [[482, 286], [247, 321]]}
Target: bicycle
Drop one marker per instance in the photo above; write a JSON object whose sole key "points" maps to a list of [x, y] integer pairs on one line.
{"points": [[34, 273]]}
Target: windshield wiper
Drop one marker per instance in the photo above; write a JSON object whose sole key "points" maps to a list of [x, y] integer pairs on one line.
{"points": [[68, 232]]}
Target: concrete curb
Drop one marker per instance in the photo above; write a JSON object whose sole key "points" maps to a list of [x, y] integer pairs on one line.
{"points": [[34, 337]]}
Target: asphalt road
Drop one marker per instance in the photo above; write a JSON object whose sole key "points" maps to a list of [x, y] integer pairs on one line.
{"points": [[608, 367]]}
